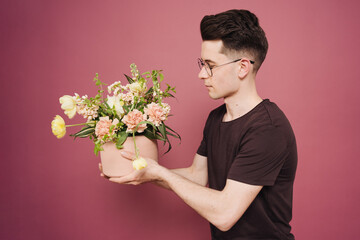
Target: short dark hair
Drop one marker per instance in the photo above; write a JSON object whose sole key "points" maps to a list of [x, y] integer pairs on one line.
{"points": [[239, 30]]}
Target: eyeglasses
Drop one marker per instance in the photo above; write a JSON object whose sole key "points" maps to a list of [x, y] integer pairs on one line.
{"points": [[209, 68]]}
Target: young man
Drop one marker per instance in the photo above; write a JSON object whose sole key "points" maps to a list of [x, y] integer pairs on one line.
{"points": [[248, 154]]}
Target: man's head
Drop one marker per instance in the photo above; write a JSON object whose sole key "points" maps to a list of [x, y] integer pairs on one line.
{"points": [[240, 33]]}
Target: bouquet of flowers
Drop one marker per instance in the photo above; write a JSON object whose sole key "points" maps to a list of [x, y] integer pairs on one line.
{"points": [[129, 110]]}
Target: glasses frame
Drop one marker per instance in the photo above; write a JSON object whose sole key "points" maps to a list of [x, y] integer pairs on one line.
{"points": [[202, 64]]}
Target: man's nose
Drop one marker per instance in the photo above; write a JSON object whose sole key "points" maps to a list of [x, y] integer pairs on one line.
{"points": [[203, 74]]}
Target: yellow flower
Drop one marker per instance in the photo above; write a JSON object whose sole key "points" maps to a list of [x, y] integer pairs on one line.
{"points": [[58, 127], [139, 163], [68, 104]]}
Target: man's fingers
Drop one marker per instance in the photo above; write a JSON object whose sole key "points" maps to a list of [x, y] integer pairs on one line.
{"points": [[101, 172], [124, 179], [120, 180], [128, 155], [104, 176]]}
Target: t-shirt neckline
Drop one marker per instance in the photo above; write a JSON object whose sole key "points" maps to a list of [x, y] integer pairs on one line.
{"points": [[243, 116]]}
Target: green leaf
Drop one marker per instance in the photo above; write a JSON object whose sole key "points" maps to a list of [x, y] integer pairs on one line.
{"points": [[161, 76], [168, 148], [91, 124], [162, 130], [106, 136], [149, 134], [119, 146], [167, 141], [130, 80], [106, 104], [83, 133], [153, 136], [172, 131], [170, 95], [169, 133], [122, 136], [98, 148], [96, 78], [126, 108], [150, 91]]}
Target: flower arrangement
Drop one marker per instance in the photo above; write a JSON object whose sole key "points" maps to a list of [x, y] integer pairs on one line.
{"points": [[130, 110]]}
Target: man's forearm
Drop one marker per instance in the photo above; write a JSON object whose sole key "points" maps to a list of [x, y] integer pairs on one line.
{"points": [[207, 202], [184, 172]]}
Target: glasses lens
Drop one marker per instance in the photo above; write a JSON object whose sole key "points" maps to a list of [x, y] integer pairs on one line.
{"points": [[202, 64]]}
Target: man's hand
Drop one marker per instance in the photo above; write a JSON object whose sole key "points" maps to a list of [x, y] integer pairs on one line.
{"points": [[101, 172], [147, 174]]}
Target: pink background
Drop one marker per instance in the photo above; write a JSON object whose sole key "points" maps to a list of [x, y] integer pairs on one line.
{"points": [[51, 189]]}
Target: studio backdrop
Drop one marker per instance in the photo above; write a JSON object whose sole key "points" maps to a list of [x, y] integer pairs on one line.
{"points": [[52, 189]]}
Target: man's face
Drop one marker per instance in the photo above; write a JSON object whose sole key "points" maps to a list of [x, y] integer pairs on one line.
{"points": [[224, 81]]}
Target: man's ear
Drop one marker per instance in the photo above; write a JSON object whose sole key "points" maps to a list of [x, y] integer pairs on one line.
{"points": [[244, 68]]}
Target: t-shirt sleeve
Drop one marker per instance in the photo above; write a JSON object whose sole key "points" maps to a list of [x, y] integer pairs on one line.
{"points": [[202, 150], [260, 157]]}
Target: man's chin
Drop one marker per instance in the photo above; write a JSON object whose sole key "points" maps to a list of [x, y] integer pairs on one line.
{"points": [[214, 97]]}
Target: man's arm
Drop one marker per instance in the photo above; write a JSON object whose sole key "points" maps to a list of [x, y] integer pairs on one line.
{"points": [[221, 208], [196, 173]]}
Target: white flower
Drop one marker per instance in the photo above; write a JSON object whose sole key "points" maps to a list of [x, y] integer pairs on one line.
{"points": [[68, 104], [136, 87], [116, 101], [166, 108], [116, 91], [114, 86]]}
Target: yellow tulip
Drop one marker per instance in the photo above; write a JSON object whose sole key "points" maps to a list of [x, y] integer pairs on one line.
{"points": [[68, 104], [58, 127], [139, 163]]}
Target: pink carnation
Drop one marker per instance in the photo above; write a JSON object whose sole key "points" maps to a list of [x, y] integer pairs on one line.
{"points": [[132, 119], [157, 113], [103, 126]]}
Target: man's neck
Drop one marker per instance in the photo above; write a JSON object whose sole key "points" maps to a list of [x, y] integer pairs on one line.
{"points": [[241, 103]]}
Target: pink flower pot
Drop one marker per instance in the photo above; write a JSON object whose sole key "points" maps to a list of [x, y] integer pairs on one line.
{"points": [[114, 165]]}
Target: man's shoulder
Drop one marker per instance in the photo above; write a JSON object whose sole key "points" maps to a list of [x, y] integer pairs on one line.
{"points": [[220, 109], [270, 117], [217, 112], [267, 113]]}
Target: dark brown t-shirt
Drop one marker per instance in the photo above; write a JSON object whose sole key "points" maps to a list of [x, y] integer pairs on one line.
{"points": [[258, 148]]}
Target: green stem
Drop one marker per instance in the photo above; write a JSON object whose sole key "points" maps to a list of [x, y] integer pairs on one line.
{"points": [[136, 149], [79, 124], [102, 93]]}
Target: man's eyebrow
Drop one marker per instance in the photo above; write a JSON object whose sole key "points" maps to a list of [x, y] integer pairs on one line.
{"points": [[209, 61]]}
